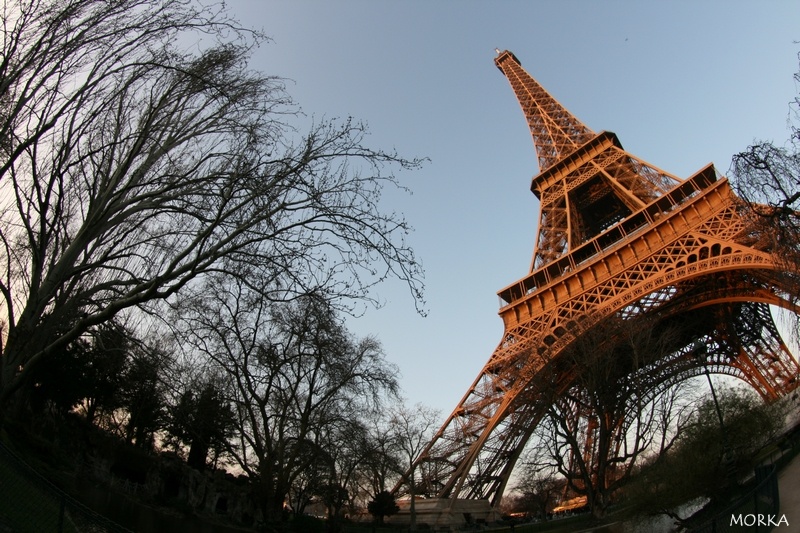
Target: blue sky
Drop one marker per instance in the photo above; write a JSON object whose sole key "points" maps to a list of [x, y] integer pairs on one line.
{"points": [[682, 84]]}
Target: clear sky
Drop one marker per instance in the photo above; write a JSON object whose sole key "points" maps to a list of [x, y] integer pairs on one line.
{"points": [[682, 83]]}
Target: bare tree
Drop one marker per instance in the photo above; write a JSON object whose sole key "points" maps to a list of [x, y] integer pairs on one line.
{"points": [[538, 486], [136, 158], [382, 465], [344, 466], [412, 428], [620, 405], [767, 177], [349, 448], [295, 374]]}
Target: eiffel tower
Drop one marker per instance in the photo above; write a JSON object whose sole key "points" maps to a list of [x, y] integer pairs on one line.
{"points": [[616, 237]]}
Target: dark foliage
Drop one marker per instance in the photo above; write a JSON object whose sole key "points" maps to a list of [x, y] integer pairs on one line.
{"points": [[383, 505]]}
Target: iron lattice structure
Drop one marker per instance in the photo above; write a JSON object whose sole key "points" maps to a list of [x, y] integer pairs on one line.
{"points": [[617, 237]]}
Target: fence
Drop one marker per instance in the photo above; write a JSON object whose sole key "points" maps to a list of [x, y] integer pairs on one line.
{"points": [[755, 512], [30, 503]]}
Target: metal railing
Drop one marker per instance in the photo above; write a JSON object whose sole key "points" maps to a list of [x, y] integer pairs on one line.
{"points": [[754, 512], [31, 503]]}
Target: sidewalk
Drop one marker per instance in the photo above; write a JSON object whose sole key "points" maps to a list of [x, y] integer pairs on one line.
{"points": [[789, 490]]}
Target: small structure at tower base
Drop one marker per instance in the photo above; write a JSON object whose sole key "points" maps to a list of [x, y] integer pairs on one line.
{"points": [[444, 514]]}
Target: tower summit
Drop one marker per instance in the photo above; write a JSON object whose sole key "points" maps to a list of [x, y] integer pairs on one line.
{"points": [[586, 181], [556, 132]]}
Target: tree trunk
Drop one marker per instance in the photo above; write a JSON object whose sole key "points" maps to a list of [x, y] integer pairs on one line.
{"points": [[198, 453], [412, 524]]}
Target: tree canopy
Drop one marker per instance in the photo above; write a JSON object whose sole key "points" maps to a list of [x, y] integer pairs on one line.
{"points": [[141, 153], [766, 176]]}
